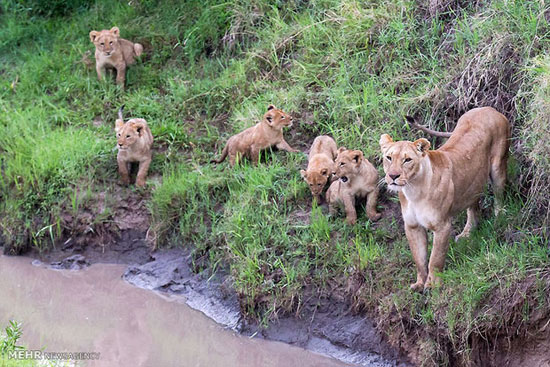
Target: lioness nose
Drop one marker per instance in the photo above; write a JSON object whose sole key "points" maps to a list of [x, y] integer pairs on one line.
{"points": [[394, 176]]}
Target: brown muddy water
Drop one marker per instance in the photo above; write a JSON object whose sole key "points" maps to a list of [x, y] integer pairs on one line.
{"points": [[94, 310]]}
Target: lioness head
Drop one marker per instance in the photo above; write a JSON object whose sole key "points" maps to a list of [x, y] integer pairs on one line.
{"points": [[129, 133], [106, 41], [277, 118], [402, 160], [348, 163], [316, 180]]}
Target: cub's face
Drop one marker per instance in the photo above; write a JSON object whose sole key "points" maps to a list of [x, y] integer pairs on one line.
{"points": [[348, 163], [106, 41], [129, 133], [277, 118], [316, 180], [402, 160]]}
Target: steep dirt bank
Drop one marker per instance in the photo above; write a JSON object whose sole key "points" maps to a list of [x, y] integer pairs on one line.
{"points": [[327, 324]]}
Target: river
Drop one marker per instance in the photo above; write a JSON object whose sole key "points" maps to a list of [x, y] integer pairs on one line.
{"points": [[94, 310]]}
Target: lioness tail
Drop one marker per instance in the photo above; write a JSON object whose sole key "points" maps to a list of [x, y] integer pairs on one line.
{"points": [[440, 134], [221, 159]]}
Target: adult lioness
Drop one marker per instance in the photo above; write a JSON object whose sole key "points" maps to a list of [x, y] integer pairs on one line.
{"points": [[265, 134], [134, 145], [320, 165], [357, 179], [434, 185], [114, 52]]}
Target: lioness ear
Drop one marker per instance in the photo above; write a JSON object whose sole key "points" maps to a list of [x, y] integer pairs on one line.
{"points": [[422, 145], [118, 125], [270, 107], [357, 156], [324, 172], [115, 31], [93, 35], [385, 139], [303, 174]]}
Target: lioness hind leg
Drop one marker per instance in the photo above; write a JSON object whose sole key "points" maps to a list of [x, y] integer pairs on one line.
{"points": [[471, 222], [498, 178]]}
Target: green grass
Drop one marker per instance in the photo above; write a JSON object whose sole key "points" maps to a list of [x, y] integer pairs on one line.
{"points": [[351, 69]]}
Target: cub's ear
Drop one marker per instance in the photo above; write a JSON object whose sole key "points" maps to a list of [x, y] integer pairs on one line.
{"points": [[341, 149], [357, 156], [385, 140], [269, 119], [422, 145], [324, 172], [93, 35], [270, 107], [303, 174], [115, 31], [118, 125], [139, 126]]}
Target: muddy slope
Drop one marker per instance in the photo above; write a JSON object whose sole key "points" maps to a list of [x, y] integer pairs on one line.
{"points": [[325, 327]]}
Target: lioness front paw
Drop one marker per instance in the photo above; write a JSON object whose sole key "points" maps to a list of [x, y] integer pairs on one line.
{"points": [[351, 221], [417, 287], [432, 282], [140, 182], [375, 217]]}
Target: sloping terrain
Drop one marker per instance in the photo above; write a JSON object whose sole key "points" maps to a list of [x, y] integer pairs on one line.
{"points": [[350, 69]]}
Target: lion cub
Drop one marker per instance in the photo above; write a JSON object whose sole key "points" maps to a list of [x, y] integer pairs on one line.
{"points": [[114, 52], [134, 145], [357, 179], [320, 165], [265, 134]]}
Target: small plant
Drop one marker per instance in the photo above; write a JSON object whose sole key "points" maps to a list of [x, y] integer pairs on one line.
{"points": [[8, 342]]}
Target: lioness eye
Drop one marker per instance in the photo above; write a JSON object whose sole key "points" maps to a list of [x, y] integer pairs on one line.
{"points": [[127, 136], [102, 44], [342, 163], [118, 135], [407, 160], [282, 117], [111, 43], [388, 158]]}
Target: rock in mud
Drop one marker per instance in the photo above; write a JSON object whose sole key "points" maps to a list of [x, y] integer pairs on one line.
{"points": [[75, 262]]}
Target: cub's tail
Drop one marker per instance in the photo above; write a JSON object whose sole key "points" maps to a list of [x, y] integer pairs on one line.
{"points": [[413, 123], [222, 158], [138, 49], [120, 113]]}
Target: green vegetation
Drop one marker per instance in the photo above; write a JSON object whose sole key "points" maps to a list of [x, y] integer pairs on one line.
{"points": [[8, 343], [348, 68]]}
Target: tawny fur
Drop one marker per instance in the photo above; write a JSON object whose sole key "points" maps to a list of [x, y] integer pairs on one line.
{"points": [[265, 134], [435, 185], [320, 166], [113, 52], [134, 145], [357, 179]]}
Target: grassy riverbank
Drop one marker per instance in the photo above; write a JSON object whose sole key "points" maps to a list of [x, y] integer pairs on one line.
{"points": [[350, 69]]}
